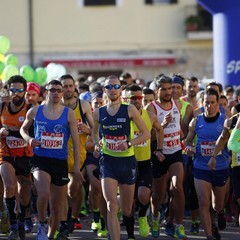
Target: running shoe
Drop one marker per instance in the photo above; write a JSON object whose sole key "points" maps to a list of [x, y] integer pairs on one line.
{"points": [[42, 232], [180, 233], [4, 223], [155, 230], [215, 232], [195, 227], [222, 223], [169, 229], [28, 225], [144, 228], [102, 233], [13, 232], [83, 212], [95, 225]]}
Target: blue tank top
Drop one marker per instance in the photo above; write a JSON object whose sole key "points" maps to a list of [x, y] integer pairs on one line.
{"points": [[115, 129], [53, 134], [207, 135]]}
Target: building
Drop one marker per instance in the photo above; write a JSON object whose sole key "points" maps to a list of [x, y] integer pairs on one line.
{"points": [[102, 37]]}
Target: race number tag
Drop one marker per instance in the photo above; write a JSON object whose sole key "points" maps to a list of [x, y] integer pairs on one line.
{"points": [[142, 144], [112, 142], [52, 140], [207, 148], [171, 140], [14, 142]]}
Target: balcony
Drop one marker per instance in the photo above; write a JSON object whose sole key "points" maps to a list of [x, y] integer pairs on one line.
{"points": [[198, 23]]}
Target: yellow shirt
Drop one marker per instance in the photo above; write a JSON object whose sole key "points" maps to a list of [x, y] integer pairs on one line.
{"points": [[82, 139], [143, 150]]}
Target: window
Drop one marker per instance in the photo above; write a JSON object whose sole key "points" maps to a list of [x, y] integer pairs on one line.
{"points": [[99, 2], [160, 1]]}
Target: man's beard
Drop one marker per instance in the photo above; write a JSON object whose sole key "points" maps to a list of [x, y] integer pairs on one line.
{"points": [[18, 101]]}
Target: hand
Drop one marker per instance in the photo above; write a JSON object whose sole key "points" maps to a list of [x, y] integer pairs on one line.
{"points": [[159, 155], [122, 146], [3, 133], [84, 129], [33, 142], [190, 151], [167, 119], [212, 163], [78, 176], [96, 152]]}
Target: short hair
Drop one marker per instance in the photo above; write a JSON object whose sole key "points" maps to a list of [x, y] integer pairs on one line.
{"points": [[126, 75], [160, 79], [66, 76], [54, 82], [223, 97], [147, 90], [212, 91], [215, 84], [112, 77], [135, 87], [237, 91], [192, 78], [17, 79], [229, 89]]}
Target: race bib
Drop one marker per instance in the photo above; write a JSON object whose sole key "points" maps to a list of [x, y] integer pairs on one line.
{"points": [[207, 148], [52, 140], [171, 140], [112, 142], [142, 144], [14, 142]]}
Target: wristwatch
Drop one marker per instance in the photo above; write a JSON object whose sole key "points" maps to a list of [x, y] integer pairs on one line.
{"points": [[129, 143]]}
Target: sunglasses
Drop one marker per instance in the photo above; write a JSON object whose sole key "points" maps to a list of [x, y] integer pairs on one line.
{"points": [[136, 98], [53, 90], [15, 90], [111, 86]]}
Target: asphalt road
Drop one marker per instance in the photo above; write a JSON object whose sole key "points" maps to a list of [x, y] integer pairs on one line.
{"points": [[230, 233]]}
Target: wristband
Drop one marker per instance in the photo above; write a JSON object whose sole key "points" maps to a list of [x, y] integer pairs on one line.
{"points": [[158, 150]]}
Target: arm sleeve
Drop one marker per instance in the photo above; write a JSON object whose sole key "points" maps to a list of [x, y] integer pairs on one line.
{"points": [[234, 140]]}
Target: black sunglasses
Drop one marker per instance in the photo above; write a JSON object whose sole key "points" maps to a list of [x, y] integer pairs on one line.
{"points": [[53, 90], [111, 86], [19, 90]]}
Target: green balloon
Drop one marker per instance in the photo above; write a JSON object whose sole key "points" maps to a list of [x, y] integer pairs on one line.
{"points": [[41, 75], [9, 71], [11, 59], [1, 67], [28, 73], [4, 44]]}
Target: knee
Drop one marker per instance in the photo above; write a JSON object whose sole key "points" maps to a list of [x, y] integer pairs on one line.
{"points": [[143, 198], [112, 206], [43, 196], [10, 190], [177, 189]]}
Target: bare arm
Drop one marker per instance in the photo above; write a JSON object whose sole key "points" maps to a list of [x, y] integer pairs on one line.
{"points": [[136, 117], [72, 121], [24, 130], [189, 149], [187, 119], [95, 133], [159, 135]]}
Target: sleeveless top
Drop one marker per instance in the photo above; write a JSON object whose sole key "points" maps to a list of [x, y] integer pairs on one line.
{"points": [[207, 135], [82, 139], [235, 155], [53, 134], [13, 146], [171, 143], [115, 129], [143, 150]]}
